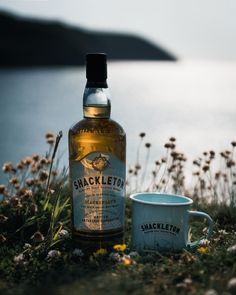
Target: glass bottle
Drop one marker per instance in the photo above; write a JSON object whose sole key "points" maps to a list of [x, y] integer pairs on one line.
{"points": [[97, 155]]}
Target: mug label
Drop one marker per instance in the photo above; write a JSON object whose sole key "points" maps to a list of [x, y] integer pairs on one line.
{"points": [[149, 227]]}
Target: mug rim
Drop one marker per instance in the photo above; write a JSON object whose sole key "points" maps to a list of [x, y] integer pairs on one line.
{"points": [[189, 201]]}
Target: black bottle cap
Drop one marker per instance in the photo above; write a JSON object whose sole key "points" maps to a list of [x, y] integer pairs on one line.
{"points": [[96, 67]]}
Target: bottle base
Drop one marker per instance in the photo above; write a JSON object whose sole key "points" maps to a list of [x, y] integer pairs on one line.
{"points": [[91, 243]]}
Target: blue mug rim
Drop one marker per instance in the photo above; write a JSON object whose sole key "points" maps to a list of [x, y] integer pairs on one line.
{"points": [[187, 202]]}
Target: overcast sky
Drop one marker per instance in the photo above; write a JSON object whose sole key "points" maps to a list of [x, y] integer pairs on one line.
{"points": [[189, 28]]}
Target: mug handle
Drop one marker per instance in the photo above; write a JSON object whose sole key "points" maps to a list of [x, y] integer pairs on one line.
{"points": [[210, 226]]}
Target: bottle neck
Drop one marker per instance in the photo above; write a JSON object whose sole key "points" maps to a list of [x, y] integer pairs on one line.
{"points": [[96, 100]]}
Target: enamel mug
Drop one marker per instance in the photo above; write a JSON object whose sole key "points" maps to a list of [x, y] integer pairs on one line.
{"points": [[160, 222]]}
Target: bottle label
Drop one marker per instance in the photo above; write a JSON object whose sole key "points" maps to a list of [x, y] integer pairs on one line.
{"points": [[98, 182]]}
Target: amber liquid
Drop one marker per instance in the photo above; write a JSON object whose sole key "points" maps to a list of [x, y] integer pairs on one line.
{"points": [[96, 134]]}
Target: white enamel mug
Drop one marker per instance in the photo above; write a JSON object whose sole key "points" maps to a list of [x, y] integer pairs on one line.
{"points": [[160, 222]]}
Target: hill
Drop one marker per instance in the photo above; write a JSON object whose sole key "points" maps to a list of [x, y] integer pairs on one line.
{"points": [[30, 42]]}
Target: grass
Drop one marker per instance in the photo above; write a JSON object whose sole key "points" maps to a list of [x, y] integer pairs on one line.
{"points": [[37, 254]]}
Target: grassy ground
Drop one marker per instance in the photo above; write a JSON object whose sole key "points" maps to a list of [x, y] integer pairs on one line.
{"points": [[189, 272], [37, 255]]}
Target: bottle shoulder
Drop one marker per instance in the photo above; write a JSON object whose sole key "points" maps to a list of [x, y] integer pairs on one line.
{"points": [[94, 125]]}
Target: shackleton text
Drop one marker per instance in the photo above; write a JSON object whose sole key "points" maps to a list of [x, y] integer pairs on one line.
{"points": [[99, 180], [160, 226]]}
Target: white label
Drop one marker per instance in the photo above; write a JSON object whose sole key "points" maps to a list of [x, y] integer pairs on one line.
{"points": [[98, 182]]}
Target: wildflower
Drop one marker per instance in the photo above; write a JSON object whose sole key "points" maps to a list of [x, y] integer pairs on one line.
{"points": [[147, 145], [7, 167], [223, 232], [126, 260], [211, 292], [43, 175], [19, 259], [115, 257], [2, 188], [3, 218], [53, 254], [2, 239], [100, 252], [64, 234], [232, 249], [142, 134], [134, 254], [37, 237], [232, 285], [27, 246], [203, 250], [204, 243], [78, 252], [120, 247], [188, 281]]}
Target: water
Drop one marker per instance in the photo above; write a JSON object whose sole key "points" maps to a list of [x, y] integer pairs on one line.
{"points": [[191, 100]]}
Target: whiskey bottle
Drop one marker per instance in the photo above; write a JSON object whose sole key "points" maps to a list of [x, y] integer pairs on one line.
{"points": [[97, 155]]}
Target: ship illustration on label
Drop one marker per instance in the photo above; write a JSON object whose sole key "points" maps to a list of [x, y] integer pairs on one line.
{"points": [[99, 163]]}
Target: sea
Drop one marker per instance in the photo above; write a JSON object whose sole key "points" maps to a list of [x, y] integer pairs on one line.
{"points": [[192, 100]]}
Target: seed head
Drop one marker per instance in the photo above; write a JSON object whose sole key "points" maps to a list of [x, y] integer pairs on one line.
{"points": [[137, 167], [27, 161], [233, 143], [205, 168], [43, 176], [142, 134], [20, 166], [147, 145], [167, 145], [30, 181], [173, 139], [14, 180], [36, 158], [2, 239], [163, 160], [2, 188], [7, 167]]}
